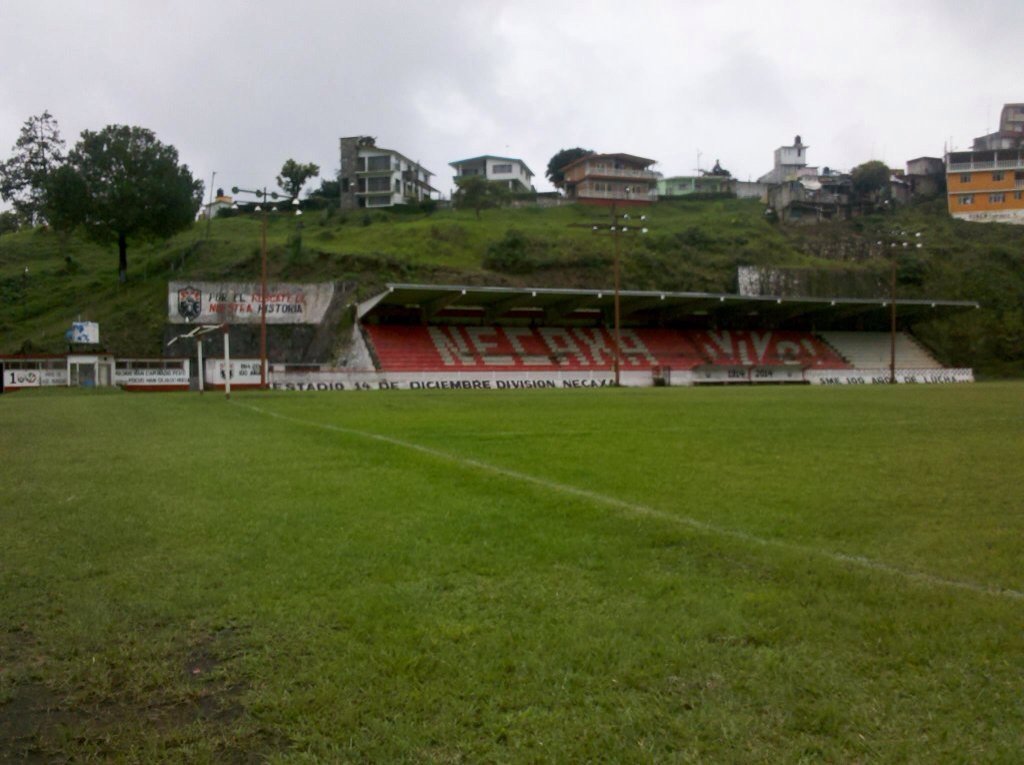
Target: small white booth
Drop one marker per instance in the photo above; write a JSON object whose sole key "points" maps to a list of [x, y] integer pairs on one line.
{"points": [[87, 370]]}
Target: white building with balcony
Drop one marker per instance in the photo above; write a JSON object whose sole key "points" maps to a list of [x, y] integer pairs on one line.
{"points": [[513, 173], [372, 176]]}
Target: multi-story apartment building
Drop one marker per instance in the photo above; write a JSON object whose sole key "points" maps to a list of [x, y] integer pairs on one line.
{"points": [[611, 179], [512, 172], [371, 176], [986, 185]]}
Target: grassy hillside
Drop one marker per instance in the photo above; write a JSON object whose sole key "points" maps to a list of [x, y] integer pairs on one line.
{"points": [[691, 245]]}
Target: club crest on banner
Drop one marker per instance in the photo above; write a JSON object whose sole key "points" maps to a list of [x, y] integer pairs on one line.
{"points": [[190, 303]]}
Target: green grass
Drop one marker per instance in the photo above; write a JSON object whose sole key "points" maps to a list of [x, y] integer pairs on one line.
{"points": [[742, 575]]}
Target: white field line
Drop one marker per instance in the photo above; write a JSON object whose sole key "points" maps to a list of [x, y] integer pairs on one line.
{"points": [[650, 512]]}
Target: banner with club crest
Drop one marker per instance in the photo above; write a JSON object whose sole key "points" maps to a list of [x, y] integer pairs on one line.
{"points": [[239, 302]]}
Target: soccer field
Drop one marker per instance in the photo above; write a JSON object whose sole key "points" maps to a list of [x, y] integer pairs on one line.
{"points": [[657, 575]]}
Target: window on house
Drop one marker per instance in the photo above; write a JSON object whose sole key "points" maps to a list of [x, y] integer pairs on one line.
{"points": [[965, 178], [378, 184], [1017, 194], [398, 186], [967, 199], [997, 176], [361, 165], [997, 198], [507, 168], [375, 164], [381, 201]]}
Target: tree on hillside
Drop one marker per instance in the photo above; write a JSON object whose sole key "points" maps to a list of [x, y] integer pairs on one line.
{"points": [[123, 183], [37, 153], [329, 189], [559, 161], [476, 192], [294, 176], [8, 222], [870, 178]]}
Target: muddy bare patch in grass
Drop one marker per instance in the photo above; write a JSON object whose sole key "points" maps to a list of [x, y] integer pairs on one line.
{"points": [[199, 708]]}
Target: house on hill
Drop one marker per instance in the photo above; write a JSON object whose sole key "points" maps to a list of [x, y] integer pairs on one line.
{"points": [[607, 179], [513, 173], [372, 176], [790, 164], [221, 202], [986, 184], [926, 176], [718, 180], [1010, 134]]}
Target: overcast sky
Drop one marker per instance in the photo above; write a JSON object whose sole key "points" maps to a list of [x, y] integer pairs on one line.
{"points": [[239, 87]]}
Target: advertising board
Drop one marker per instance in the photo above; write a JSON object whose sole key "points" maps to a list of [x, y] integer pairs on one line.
{"points": [[240, 302]]}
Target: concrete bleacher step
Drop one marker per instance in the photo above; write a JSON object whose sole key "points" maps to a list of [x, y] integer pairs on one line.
{"points": [[872, 350]]}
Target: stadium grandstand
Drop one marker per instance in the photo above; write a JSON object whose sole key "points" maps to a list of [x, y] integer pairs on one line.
{"points": [[454, 337], [465, 336]]}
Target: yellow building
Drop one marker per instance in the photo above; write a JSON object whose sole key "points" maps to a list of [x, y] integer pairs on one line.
{"points": [[986, 186]]}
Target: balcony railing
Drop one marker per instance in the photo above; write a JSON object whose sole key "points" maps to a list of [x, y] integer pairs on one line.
{"points": [[617, 172], [583, 192], [1013, 163]]}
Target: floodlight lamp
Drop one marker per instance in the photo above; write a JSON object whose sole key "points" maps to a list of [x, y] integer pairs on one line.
{"points": [[295, 201], [625, 216], [611, 228], [595, 228], [643, 231], [643, 217], [257, 208], [919, 245], [625, 229], [273, 209], [298, 213]]}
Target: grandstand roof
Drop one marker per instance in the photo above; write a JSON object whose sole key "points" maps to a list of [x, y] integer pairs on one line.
{"points": [[550, 305]]}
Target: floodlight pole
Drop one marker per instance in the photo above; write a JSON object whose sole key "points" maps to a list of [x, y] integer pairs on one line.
{"points": [[900, 240], [618, 312], [199, 354], [227, 363], [892, 317], [263, 194], [616, 230]]}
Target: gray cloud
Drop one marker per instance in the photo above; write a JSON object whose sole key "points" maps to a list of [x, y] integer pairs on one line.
{"points": [[239, 87]]}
